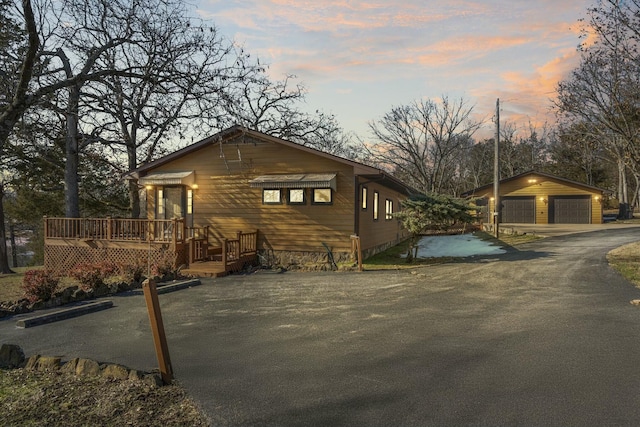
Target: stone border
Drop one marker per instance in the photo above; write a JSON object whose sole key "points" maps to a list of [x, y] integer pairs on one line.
{"points": [[12, 357]]}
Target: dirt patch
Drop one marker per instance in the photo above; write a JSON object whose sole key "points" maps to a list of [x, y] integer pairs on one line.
{"points": [[33, 398]]}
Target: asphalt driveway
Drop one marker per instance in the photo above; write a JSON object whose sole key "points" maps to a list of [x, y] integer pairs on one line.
{"points": [[544, 335]]}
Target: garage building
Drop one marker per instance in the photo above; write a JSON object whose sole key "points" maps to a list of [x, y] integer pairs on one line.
{"points": [[540, 198]]}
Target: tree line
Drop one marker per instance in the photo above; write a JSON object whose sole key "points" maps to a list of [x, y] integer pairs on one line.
{"points": [[90, 89]]}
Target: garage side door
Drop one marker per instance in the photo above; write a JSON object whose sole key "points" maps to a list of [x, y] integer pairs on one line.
{"points": [[519, 210], [570, 209]]}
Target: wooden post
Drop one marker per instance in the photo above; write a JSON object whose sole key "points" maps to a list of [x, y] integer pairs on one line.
{"points": [[224, 254], [157, 329], [46, 227], [239, 249], [109, 228], [355, 241]]}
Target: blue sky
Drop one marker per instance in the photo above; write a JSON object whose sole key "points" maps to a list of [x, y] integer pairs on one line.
{"points": [[358, 59]]}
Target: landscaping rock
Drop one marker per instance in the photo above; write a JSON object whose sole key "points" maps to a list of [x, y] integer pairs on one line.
{"points": [[11, 356], [70, 366], [115, 371], [79, 295], [153, 380], [32, 362], [87, 367], [48, 363]]}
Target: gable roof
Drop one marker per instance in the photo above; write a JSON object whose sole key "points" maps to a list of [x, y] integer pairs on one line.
{"points": [[533, 172], [360, 169]]}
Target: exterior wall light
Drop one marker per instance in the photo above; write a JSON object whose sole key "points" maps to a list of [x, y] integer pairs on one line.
{"points": [[543, 200], [194, 186], [148, 187], [597, 198]]}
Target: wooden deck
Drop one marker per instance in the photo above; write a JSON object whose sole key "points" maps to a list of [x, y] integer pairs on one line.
{"points": [[71, 241]]}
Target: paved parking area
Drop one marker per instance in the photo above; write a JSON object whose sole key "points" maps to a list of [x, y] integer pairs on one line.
{"points": [[544, 335]]}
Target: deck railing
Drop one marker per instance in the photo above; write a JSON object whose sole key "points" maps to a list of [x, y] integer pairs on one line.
{"points": [[116, 229], [233, 250]]}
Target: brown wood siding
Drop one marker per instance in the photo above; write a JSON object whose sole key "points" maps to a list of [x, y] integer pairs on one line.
{"points": [[374, 233], [225, 201], [542, 189]]}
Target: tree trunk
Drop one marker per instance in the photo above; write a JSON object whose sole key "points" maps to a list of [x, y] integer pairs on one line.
{"points": [[134, 193], [134, 198], [12, 239], [4, 255], [623, 209], [71, 187]]}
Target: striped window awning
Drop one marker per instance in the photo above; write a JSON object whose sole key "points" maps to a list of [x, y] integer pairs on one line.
{"points": [[169, 178], [297, 180]]}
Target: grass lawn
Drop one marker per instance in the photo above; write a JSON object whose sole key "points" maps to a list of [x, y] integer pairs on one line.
{"points": [[11, 284], [626, 260]]}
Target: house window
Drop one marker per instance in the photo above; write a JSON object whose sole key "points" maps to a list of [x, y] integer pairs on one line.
{"points": [[160, 203], [376, 198], [322, 196], [296, 196], [189, 201], [271, 197], [364, 198], [388, 209]]}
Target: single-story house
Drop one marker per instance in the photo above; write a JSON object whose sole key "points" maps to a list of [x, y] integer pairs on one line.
{"points": [[305, 204], [541, 198]]}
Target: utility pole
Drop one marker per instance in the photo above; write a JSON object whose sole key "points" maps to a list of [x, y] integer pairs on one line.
{"points": [[496, 174]]}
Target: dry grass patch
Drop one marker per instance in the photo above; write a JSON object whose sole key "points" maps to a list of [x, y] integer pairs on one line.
{"points": [[626, 260], [31, 398]]}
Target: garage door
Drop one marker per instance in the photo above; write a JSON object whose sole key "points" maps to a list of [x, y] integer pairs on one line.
{"points": [[519, 210], [570, 209]]}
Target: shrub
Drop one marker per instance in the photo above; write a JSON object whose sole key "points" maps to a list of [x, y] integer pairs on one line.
{"points": [[134, 273], [93, 275], [39, 285], [164, 266]]}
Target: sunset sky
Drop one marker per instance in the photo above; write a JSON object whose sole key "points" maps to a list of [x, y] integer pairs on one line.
{"points": [[358, 59]]}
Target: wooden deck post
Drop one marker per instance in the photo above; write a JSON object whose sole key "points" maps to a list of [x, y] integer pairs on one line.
{"points": [[157, 329], [46, 227], [224, 254], [239, 248], [109, 228]]}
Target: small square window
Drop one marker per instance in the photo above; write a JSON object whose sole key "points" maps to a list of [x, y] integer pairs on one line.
{"points": [[296, 196], [322, 196], [271, 197]]}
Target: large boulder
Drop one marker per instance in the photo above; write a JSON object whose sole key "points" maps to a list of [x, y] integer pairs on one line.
{"points": [[11, 356]]}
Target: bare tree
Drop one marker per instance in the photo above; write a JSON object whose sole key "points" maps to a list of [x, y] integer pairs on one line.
{"points": [[186, 69], [273, 107], [420, 141], [603, 93]]}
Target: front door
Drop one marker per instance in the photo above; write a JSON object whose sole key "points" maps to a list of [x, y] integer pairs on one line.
{"points": [[173, 202]]}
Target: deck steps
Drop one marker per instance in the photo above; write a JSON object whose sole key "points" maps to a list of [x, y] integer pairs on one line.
{"points": [[205, 269]]}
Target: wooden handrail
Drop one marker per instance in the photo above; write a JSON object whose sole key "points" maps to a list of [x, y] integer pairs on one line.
{"points": [[116, 229]]}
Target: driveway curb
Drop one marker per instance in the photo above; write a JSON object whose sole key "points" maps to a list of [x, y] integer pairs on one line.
{"points": [[66, 313], [165, 289]]}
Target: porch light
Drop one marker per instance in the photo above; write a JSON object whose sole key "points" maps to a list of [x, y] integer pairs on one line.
{"points": [[148, 187], [543, 200], [597, 198], [194, 186], [533, 181]]}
